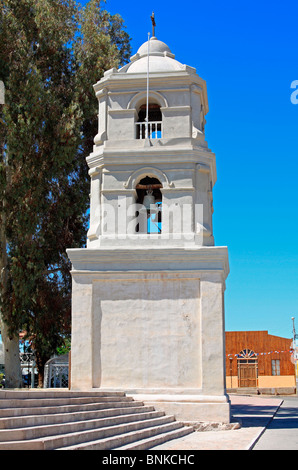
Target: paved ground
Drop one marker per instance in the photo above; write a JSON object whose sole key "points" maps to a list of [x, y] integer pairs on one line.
{"points": [[282, 431], [254, 414]]}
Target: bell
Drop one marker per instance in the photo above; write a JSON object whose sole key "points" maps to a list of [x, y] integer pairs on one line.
{"points": [[149, 199]]}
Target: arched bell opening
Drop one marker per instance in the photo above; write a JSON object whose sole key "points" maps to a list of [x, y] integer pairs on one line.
{"points": [[152, 129], [150, 197]]}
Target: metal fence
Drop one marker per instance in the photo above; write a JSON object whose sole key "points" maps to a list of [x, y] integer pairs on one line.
{"points": [[56, 374]]}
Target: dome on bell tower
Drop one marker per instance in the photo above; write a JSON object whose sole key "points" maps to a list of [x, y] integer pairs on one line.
{"points": [[161, 58], [155, 45]]}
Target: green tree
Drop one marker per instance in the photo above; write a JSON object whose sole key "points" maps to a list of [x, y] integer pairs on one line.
{"points": [[53, 51]]}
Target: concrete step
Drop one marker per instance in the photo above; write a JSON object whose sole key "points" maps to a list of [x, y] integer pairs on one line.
{"points": [[34, 432], [120, 440], [74, 438], [44, 420], [37, 402], [56, 393], [26, 411], [244, 390], [67, 417], [155, 440]]}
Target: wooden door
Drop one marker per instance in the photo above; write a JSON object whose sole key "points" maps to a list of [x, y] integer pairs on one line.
{"points": [[247, 374]]}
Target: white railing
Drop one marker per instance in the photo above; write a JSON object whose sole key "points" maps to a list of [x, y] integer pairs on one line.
{"points": [[154, 130]]}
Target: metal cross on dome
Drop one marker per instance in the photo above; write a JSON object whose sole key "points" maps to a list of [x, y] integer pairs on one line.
{"points": [[153, 24]]}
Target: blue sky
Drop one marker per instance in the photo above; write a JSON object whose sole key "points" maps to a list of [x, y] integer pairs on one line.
{"points": [[248, 54]]}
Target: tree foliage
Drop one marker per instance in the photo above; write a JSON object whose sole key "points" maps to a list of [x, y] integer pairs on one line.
{"points": [[52, 52]]}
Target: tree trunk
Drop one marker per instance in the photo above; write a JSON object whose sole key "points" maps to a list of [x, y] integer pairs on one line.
{"points": [[13, 372], [40, 379]]}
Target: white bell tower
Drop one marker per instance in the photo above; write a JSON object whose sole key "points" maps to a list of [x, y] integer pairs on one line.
{"points": [[148, 291]]}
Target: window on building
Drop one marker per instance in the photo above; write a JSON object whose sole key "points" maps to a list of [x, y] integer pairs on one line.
{"points": [[154, 122], [275, 364]]}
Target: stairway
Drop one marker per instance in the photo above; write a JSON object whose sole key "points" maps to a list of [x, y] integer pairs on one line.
{"points": [[69, 420]]}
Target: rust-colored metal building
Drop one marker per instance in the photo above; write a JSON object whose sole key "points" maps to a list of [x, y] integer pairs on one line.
{"points": [[260, 360]]}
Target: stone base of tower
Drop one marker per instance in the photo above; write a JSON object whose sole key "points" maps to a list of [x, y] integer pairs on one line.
{"points": [[150, 322], [190, 408]]}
